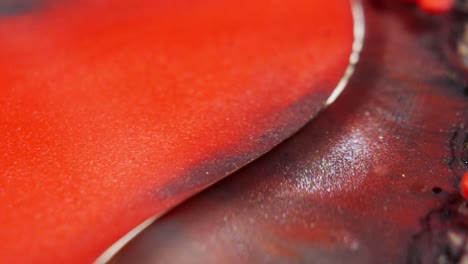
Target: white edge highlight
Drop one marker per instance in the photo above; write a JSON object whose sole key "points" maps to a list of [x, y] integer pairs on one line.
{"points": [[117, 246], [358, 43]]}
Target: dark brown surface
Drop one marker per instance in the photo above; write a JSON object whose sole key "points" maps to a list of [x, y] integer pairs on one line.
{"points": [[373, 179]]}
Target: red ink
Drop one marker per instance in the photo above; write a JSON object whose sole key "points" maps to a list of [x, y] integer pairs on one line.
{"points": [[433, 6], [464, 185], [436, 6]]}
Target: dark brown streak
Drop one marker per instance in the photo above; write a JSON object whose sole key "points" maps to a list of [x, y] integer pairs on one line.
{"points": [[435, 242], [16, 7], [458, 152]]}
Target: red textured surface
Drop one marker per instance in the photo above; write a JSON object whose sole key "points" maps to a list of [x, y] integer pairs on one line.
{"points": [[373, 179], [113, 111]]}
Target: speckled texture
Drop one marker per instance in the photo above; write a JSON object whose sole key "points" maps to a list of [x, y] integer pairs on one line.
{"points": [[367, 181], [114, 111]]}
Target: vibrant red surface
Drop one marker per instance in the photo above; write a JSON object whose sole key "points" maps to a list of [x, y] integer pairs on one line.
{"points": [[372, 179], [464, 185], [433, 6], [436, 6], [113, 111]]}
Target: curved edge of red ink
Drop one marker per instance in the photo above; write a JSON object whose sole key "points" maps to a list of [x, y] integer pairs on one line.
{"points": [[357, 46]]}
